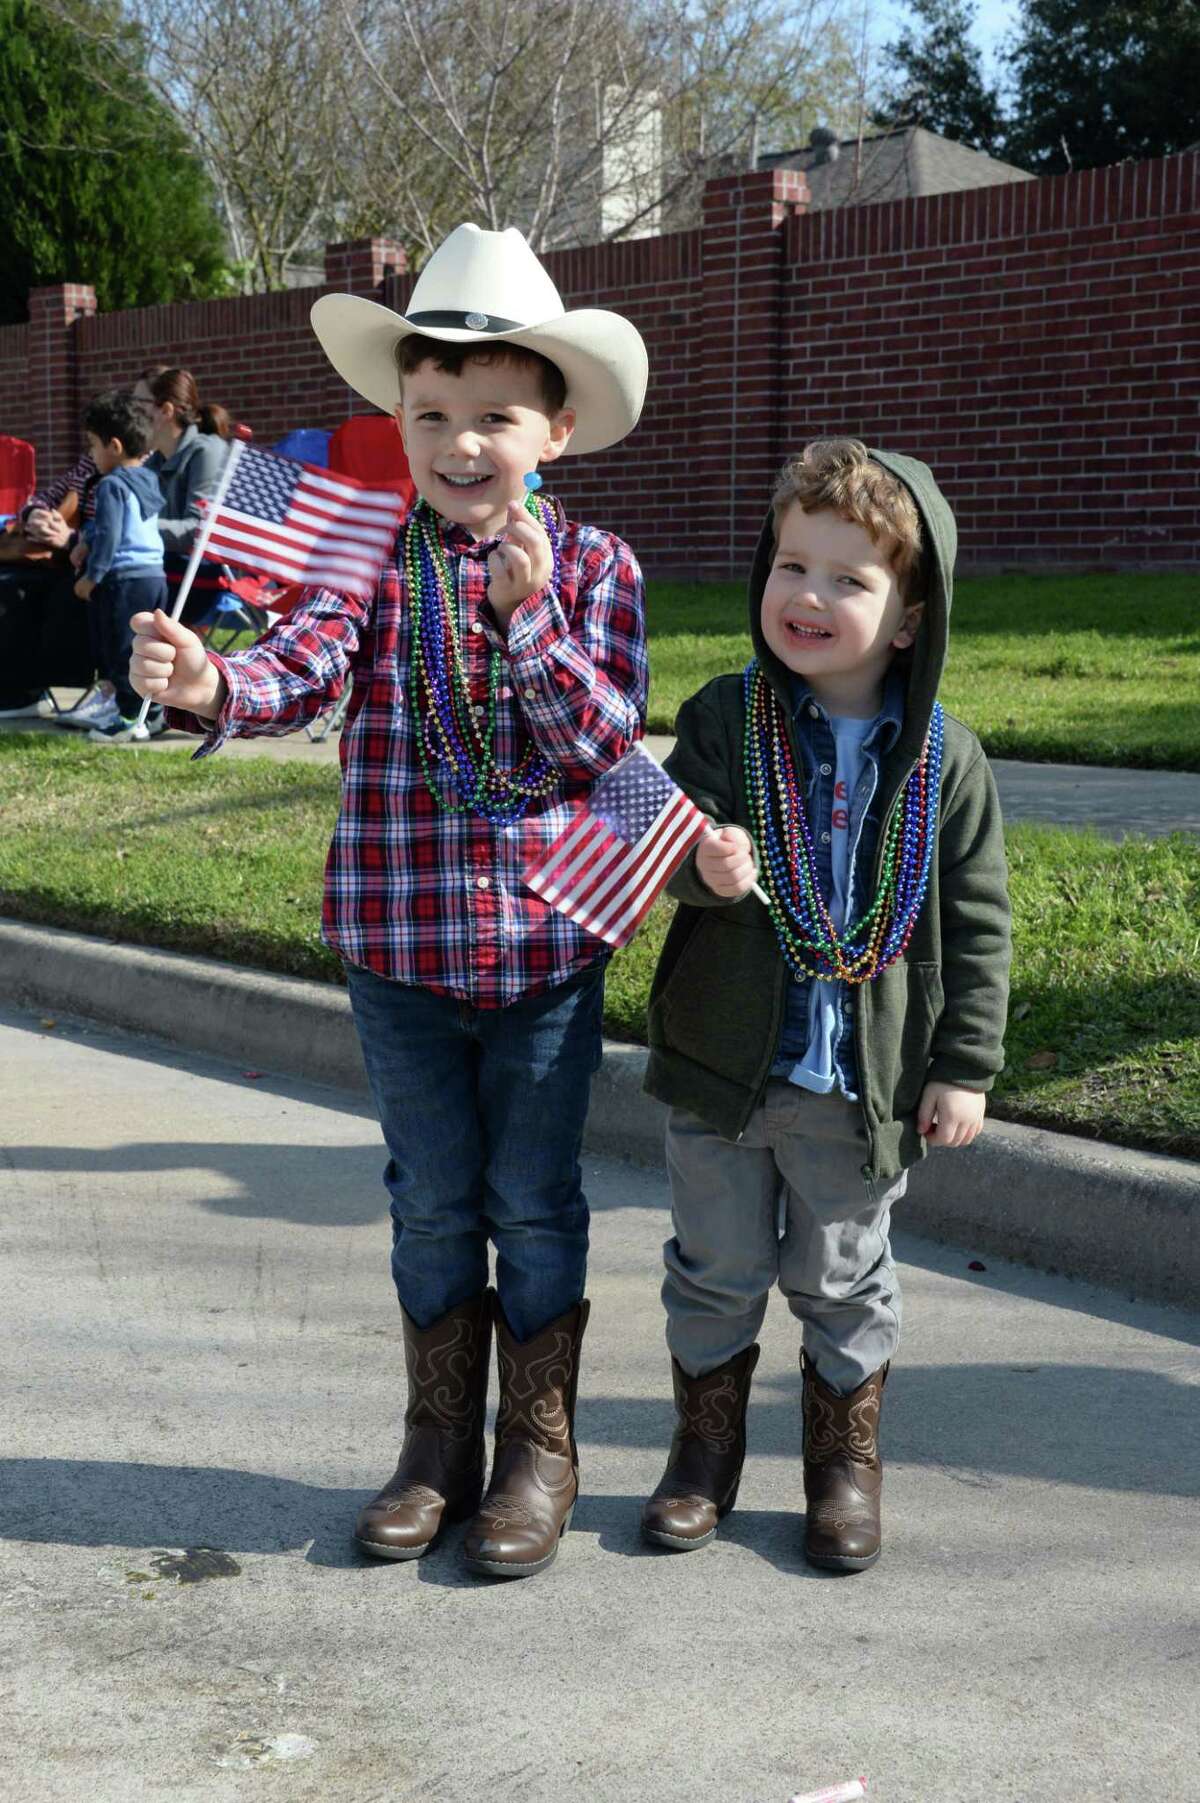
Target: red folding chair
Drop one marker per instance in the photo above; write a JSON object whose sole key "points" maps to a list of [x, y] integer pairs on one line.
{"points": [[368, 447], [18, 474]]}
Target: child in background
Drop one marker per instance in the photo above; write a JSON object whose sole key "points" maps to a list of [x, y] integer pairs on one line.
{"points": [[124, 556], [810, 1054]]}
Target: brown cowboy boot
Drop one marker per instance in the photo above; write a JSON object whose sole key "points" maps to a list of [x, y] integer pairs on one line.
{"points": [[535, 1471], [440, 1475], [843, 1473], [708, 1450]]}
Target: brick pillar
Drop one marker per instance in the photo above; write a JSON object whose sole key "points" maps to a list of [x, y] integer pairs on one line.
{"points": [[360, 265], [738, 449], [54, 399]]}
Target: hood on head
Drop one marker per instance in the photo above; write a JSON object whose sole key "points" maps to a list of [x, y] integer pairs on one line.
{"points": [[143, 485], [928, 656]]}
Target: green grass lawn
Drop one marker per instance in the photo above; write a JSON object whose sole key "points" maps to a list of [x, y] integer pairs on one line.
{"points": [[1093, 669], [226, 859]]}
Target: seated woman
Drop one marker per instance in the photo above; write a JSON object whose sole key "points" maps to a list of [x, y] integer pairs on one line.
{"points": [[44, 635], [189, 440]]}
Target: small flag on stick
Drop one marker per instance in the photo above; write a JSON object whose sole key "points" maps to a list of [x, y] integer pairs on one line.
{"points": [[302, 524], [623, 845]]}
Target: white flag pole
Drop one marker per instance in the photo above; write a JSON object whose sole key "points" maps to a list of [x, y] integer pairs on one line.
{"points": [[236, 447]]}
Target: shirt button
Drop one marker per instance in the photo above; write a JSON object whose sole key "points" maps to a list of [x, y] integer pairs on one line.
{"points": [[481, 882], [531, 694], [476, 625], [824, 838], [479, 709], [814, 710], [826, 769]]}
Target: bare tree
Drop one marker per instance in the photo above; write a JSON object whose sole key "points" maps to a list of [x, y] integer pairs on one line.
{"points": [[581, 119], [577, 120], [259, 87]]}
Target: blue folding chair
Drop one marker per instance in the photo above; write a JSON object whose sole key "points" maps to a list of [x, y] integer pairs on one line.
{"points": [[307, 444]]}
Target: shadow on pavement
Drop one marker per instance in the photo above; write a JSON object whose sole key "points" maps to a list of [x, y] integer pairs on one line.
{"points": [[311, 1186], [98, 1502], [1119, 1430], [1089, 1425]]}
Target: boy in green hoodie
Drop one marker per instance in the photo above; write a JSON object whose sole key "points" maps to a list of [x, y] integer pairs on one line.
{"points": [[810, 1054]]}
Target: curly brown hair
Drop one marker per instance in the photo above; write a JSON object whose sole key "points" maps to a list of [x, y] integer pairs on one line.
{"points": [[837, 474]]}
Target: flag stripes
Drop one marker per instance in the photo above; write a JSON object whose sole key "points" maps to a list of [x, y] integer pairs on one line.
{"points": [[296, 522], [597, 872]]}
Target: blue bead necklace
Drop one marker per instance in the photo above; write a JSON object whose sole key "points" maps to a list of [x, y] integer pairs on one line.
{"points": [[450, 732], [808, 938]]}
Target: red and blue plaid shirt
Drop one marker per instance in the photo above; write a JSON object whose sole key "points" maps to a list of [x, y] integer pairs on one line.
{"points": [[414, 893]]}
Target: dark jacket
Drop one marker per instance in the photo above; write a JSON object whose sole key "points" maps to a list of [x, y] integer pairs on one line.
{"points": [[719, 993]]}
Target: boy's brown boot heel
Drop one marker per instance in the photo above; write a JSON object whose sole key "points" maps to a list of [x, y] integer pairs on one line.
{"points": [[843, 1473], [708, 1450], [535, 1471], [440, 1475]]}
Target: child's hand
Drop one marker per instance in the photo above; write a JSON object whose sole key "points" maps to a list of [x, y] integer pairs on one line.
{"points": [[78, 554], [169, 665], [949, 1116], [725, 862], [521, 564], [84, 587]]}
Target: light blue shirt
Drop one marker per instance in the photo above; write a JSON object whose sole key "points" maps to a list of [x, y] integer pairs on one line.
{"points": [[817, 1069]]}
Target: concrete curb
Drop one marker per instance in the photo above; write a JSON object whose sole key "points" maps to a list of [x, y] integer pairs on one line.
{"points": [[1093, 1211]]}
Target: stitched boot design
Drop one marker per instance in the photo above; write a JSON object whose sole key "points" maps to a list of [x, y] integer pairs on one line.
{"points": [[708, 1449], [440, 1474], [535, 1473], [843, 1473]]}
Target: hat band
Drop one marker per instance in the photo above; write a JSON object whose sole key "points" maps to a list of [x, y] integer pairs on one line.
{"points": [[465, 322]]}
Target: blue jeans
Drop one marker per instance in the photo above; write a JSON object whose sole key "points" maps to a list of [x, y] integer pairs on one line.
{"points": [[115, 600], [482, 1110]]}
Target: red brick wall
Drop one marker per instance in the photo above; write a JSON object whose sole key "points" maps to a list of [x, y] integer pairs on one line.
{"points": [[1036, 343], [16, 413], [642, 489], [255, 354]]}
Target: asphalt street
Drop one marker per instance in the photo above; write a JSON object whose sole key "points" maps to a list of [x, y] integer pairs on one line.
{"points": [[203, 1378]]}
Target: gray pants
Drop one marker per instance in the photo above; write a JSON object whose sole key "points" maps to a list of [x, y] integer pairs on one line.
{"points": [[787, 1203]]}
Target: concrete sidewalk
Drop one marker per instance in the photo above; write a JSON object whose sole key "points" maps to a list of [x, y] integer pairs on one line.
{"points": [[1057, 1202], [1118, 803], [201, 1343]]}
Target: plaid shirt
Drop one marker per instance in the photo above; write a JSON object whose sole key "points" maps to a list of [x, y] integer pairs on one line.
{"points": [[411, 892]]}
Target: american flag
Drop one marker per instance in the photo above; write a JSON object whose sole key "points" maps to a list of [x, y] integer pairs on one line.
{"points": [[302, 524], [634, 831]]}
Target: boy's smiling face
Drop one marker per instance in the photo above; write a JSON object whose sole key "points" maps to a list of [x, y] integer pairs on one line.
{"points": [[471, 438], [832, 609]]}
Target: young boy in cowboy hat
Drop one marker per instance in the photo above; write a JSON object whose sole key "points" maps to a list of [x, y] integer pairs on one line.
{"points": [[499, 670]]}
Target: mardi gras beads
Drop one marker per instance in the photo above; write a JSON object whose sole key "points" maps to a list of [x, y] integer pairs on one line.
{"points": [[451, 730], [808, 938]]}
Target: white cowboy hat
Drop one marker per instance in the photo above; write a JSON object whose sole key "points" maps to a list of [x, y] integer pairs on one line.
{"points": [[482, 288]]}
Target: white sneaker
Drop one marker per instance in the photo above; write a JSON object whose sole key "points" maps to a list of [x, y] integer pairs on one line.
{"points": [[97, 708], [118, 731], [40, 709]]}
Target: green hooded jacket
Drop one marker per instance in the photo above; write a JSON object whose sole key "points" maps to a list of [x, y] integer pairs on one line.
{"points": [[937, 1014]]}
